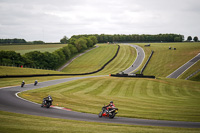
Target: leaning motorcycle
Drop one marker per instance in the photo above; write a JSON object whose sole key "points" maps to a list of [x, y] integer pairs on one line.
{"points": [[35, 83], [108, 113], [47, 102]]}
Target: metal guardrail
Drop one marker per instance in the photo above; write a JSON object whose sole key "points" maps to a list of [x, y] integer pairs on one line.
{"points": [[191, 75], [147, 62]]}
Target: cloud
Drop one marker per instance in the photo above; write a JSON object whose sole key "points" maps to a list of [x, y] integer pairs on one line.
{"points": [[51, 20]]}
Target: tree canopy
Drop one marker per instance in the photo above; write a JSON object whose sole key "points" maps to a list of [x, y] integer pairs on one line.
{"points": [[189, 38], [64, 40], [196, 39], [104, 38]]}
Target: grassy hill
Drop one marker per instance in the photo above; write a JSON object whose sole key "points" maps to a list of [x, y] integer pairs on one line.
{"points": [[92, 60], [96, 58], [165, 61], [124, 59]]}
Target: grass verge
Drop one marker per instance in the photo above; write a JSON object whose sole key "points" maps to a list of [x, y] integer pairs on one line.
{"points": [[13, 122]]}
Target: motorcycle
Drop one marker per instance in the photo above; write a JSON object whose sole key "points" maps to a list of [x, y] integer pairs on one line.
{"points": [[108, 113], [23, 83], [47, 102], [35, 83]]}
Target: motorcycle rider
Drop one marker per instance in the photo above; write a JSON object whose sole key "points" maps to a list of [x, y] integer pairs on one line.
{"points": [[35, 82], [46, 98], [109, 107], [23, 83]]}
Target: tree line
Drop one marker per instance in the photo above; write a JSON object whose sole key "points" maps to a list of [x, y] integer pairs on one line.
{"points": [[10, 41], [37, 59], [104, 38], [195, 39], [19, 41]]}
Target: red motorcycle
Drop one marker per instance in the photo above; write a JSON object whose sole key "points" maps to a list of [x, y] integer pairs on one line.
{"points": [[111, 112]]}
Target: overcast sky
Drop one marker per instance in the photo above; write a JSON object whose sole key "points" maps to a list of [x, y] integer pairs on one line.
{"points": [[50, 20]]}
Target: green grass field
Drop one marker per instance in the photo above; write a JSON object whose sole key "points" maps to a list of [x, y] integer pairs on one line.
{"points": [[165, 61], [22, 49], [5, 70], [12, 122], [162, 99], [125, 59], [96, 58], [92, 60]]}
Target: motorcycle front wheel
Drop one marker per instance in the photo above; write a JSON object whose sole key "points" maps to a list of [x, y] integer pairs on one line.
{"points": [[100, 114], [112, 116]]}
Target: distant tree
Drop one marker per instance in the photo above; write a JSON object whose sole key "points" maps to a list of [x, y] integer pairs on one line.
{"points": [[80, 44], [36, 57], [11, 58], [38, 42], [89, 42], [64, 40], [61, 55], [66, 52], [195, 39], [94, 39], [72, 49], [189, 38], [72, 40], [12, 41], [177, 39]]}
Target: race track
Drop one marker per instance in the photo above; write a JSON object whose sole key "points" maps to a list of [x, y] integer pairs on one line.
{"points": [[138, 61], [9, 101]]}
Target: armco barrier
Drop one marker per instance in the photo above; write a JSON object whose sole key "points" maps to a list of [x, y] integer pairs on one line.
{"points": [[147, 62], [132, 75], [40, 75]]}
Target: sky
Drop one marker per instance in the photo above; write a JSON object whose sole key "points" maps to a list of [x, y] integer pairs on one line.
{"points": [[51, 20]]}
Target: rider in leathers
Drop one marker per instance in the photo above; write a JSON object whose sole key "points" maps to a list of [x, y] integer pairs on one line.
{"points": [[109, 107]]}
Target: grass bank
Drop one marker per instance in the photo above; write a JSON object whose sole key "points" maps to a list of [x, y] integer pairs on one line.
{"points": [[12, 122], [162, 99], [165, 61], [6, 70], [92, 60], [124, 60]]}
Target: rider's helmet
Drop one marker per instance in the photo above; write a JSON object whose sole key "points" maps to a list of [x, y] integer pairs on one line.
{"points": [[111, 102]]}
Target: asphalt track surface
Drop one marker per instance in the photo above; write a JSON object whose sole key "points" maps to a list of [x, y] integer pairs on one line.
{"points": [[11, 102], [138, 61], [184, 67]]}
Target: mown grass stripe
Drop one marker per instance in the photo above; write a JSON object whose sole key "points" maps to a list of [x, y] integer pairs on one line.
{"points": [[138, 98]]}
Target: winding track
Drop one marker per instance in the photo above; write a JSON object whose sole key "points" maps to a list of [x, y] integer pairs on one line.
{"points": [[138, 61], [9, 101]]}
